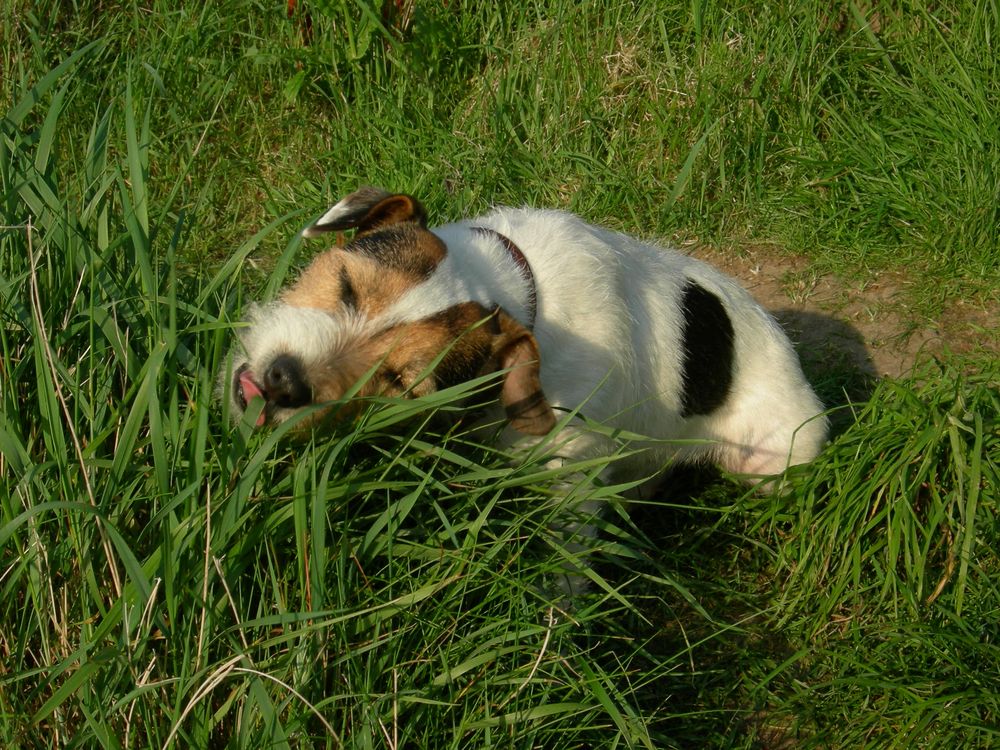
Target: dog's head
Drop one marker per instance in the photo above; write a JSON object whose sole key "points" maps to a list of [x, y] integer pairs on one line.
{"points": [[385, 309]]}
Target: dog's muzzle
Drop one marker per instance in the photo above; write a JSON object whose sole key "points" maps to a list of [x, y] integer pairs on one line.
{"points": [[282, 386]]}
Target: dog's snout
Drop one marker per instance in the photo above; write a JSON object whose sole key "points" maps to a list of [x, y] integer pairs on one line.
{"points": [[285, 383]]}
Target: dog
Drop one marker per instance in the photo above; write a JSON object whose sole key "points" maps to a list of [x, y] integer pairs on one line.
{"points": [[578, 319]]}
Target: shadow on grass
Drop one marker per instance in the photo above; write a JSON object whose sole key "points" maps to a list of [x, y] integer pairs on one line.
{"points": [[701, 615], [835, 360]]}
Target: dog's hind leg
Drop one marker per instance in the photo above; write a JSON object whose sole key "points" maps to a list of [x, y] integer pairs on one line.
{"points": [[763, 447]]}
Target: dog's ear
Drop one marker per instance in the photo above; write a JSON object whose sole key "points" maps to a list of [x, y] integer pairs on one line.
{"points": [[521, 391], [368, 209]]}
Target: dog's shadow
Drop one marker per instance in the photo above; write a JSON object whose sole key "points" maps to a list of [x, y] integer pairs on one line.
{"points": [[835, 358]]}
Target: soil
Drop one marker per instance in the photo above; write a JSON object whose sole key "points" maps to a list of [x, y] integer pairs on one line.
{"points": [[869, 325]]}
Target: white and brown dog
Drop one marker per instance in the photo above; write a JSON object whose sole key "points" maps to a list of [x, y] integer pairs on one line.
{"points": [[634, 336]]}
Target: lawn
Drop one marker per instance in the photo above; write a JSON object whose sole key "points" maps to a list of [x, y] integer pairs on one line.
{"points": [[172, 578]]}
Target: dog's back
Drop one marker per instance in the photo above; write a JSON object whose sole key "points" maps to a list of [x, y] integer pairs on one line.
{"points": [[660, 344]]}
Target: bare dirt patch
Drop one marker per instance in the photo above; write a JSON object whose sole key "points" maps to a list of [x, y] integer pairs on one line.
{"points": [[870, 325]]}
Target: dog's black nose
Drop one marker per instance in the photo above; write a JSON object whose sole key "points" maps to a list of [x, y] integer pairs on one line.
{"points": [[285, 383]]}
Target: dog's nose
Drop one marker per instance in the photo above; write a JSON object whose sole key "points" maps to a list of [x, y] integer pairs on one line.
{"points": [[285, 383]]}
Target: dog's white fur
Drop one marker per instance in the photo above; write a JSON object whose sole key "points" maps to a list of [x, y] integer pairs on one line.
{"points": [[609, 328]]}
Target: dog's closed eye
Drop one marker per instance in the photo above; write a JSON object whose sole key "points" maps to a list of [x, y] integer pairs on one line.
{"points": [[390, 381], [348, 294]]}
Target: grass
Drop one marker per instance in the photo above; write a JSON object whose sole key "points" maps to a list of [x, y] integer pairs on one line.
{"points": [[168, 578]]}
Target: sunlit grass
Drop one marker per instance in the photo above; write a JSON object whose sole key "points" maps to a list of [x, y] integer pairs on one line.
{"points": [[170, 577]]}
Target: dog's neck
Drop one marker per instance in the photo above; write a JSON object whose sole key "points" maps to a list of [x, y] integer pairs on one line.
{"points": [[523, 266], [480, 266]]}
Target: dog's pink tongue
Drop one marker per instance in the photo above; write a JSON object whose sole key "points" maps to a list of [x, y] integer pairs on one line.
{"points": [[250, 391]]}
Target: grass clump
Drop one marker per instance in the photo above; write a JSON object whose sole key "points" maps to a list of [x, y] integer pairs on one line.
{"points": [[899, 509], [174, 578], [862, 137], [888, 559]]}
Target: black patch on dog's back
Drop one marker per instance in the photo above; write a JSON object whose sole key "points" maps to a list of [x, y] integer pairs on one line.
{"points": [[707, 338]]}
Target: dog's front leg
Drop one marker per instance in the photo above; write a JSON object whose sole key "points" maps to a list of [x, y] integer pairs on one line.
{"points": [[580, 461]]}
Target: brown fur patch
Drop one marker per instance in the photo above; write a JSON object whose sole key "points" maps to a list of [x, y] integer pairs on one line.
{"points": [[400, 358], [405, 247], [521, 393], [373, 286], [409, 350], [370, 273]]}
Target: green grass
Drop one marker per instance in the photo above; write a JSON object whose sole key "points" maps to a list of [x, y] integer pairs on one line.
{"points": [[168, 578]]}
